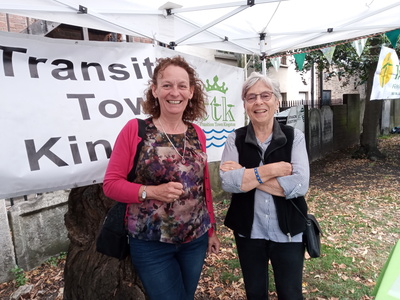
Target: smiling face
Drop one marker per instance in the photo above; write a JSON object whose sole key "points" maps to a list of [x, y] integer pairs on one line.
{"points": [[261, 112], [173, 91]]}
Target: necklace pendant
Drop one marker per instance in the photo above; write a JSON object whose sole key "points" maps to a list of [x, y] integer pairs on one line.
{"points": [[172, 144]]}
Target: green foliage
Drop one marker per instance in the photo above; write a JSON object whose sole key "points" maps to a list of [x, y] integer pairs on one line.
{"points": [[53, 261], [20, 277], [255, 63], [384, 137], [226, 202]]}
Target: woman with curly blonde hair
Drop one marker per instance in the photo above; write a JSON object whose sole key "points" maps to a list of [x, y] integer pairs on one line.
{"points": [[170, 212]]}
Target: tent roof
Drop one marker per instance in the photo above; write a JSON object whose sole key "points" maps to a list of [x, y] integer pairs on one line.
{"points": [[223, 25]]}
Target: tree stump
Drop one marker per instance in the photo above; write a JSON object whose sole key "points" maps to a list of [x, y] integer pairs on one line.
{"points": [[89, 274]]}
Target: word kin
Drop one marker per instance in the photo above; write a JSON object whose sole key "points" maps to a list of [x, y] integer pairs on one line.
{"points": [[45, 151]]}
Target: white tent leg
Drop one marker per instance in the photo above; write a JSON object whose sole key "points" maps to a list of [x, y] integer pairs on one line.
{"points": [[264, 66], [262, 52]]}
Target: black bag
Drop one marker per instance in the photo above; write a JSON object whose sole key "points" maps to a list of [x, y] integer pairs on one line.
{"points": [[311, 236], [113, 239]]}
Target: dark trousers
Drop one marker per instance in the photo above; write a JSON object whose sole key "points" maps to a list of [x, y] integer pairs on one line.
{"points": [[287, 261]]}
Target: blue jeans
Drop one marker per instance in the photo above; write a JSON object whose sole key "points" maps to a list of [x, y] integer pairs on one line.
{"points": [[169, 271]]}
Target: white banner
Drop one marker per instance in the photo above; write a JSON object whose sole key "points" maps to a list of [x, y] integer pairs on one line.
{"points": [[387, 76], [63, 103], [296, 117]]}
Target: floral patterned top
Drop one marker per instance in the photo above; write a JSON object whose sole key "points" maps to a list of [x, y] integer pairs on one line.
{"points": [[185, 219]]}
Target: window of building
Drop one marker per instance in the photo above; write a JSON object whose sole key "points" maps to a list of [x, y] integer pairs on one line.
{"points": [[326, 97]]}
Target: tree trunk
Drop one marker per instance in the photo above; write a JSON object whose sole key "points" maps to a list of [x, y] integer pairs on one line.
{"points": [[369, 136], [88, 274]]}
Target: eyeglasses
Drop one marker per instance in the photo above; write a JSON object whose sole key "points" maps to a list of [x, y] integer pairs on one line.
{"points": [[264, 96]]}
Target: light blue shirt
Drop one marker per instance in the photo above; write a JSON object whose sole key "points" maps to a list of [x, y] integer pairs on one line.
{"points": [[265, 223]]}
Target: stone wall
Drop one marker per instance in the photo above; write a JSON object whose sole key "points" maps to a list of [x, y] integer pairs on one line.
{"points": [[7, 257], [334, 127], [38, 228], [335, 86], [314, 134], [390, 116], [33, 231], [347, 122], [395, 114]]}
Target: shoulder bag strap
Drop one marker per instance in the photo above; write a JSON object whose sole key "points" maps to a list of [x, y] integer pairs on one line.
{"points": [[141, 133]]}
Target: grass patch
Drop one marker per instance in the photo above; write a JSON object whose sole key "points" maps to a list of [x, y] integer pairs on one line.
{"points": [[232, 272], [335, 274]]}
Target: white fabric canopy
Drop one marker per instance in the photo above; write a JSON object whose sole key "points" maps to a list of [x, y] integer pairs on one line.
{"points": [[223, 25]]}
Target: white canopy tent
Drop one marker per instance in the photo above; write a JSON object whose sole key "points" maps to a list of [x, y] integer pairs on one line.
{"points": [[262, 27]]}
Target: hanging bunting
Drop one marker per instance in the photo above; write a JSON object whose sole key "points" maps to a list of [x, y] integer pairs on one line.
{"points": [[311, 49], [359, 45], [299, 58], [276, 62], [328, 53], [393, 36]]}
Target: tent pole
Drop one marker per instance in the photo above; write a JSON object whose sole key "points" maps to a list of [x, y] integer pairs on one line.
{"points": [[85, 33], [262, 51], [245, 65], [264, 66], [312, 84]]}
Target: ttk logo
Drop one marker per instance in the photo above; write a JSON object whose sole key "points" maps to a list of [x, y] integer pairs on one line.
{"points": [[220, 110]]}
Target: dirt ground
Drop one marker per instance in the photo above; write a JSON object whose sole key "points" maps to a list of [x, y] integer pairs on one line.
{"points": [[337, 173]]}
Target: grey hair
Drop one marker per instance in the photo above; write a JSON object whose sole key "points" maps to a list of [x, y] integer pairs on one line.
{"points": [[254, 78]]}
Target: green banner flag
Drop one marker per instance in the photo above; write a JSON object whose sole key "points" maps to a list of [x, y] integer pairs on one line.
{"points": [[393, 36], [299, 58]]}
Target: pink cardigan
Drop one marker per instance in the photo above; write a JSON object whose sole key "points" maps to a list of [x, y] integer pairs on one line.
{"points": [[115, 184]]}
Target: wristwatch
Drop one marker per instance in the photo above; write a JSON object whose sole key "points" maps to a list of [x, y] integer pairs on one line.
{"points": [[144, 194]]}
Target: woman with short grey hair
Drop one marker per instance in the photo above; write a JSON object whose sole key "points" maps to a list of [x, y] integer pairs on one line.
{"points": [[263, 165]]}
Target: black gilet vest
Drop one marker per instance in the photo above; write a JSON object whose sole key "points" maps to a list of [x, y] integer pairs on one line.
{"points": [[240, 214]]}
